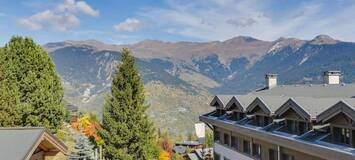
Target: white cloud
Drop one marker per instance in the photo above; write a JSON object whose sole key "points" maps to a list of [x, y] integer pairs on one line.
{"points": [[130, 24], [223, 19], [62, 18], [80, 6]]}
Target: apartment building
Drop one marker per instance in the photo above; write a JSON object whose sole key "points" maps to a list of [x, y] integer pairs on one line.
{"points": [[286, 122]]}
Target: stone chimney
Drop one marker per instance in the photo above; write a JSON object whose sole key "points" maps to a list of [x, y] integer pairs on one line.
{"points": [[332, 77], [271, 80]]}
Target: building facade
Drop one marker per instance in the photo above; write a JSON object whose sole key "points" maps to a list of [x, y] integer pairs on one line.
{"points": [[287, 122]]}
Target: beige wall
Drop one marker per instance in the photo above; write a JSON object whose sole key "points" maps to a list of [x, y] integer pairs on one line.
{"points": [[265, 146]]}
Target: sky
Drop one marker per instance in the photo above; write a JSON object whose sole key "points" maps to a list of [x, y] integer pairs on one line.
{"points": [[131, 21]]}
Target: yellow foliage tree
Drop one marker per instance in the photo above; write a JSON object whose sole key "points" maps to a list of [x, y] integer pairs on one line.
{"points": [[164, 155], [88, 126]]}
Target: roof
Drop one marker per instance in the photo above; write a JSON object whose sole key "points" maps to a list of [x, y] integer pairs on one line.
{"points": [[222, 100], [310, 90], [188, 143], [20, 143], [309, 100], [179, 149], [198, 154]]}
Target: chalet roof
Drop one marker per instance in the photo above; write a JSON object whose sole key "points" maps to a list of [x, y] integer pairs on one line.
{"points": [[20, 143], [241, 101], [310, 100], [310, 90], [222, 100]]}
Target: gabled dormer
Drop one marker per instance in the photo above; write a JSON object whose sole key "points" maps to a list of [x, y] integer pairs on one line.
{"points": [[296, 119], [261, 114], [219, 102], [236, 109], [341, 118]]}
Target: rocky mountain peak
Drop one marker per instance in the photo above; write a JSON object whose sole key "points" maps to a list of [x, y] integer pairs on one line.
{"points": [[241, 39], [283, 42], [323, 39]]}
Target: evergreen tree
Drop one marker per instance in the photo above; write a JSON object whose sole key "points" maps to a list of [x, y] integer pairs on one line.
{"points": [[31, 70], [84, 149], [126, 130], [9, 103]]}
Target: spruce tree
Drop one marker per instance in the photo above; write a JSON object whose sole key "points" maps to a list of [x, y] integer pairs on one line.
{"points": [[29, 67], [126, 130], [84, 149]]}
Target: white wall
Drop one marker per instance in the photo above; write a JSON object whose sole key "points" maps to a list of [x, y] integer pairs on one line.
{"points": [[229, 153]]}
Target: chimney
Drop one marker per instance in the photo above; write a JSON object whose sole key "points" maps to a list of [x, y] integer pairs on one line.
{"points": [[271, 80], [332, 77]]}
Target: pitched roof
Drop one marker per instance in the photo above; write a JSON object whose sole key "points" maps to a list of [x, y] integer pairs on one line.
{"points": [[240, 101], [310, 100], [222, 100], [19, 143], [269, 104], [316, 91], [346, 106]]}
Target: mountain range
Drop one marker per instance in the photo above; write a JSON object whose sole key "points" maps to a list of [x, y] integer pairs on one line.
{"points": [[180, 77]]}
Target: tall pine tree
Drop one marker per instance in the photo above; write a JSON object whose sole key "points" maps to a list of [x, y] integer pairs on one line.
{"points": [[126, 130], [29, 67]]}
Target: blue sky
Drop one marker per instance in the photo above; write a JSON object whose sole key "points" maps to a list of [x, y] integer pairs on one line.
{"points": [[130, 21]]}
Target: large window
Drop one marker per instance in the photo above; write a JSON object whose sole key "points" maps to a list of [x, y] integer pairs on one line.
{"points": [[216, 136], [262, 120], [287, 157], [291, 126], [234, 142], [272, 154], [341, 135], [226, 139], [246, 146], [257, 150], [296, 127]]}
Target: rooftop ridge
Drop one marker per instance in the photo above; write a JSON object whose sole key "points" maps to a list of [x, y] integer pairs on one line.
{"points": [[21, 128]]}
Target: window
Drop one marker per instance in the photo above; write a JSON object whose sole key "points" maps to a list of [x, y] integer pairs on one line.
{"points": [[267, 121], [287, 157], [257, 151], [234, 142], [226, 139], [220, 112], [216, 136], [341, 135], [216, 156], [236, 116], [259, 120], [302, 127], [291, 126], [272, 154], [262, 120], [296, 127], [246, 147]]}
